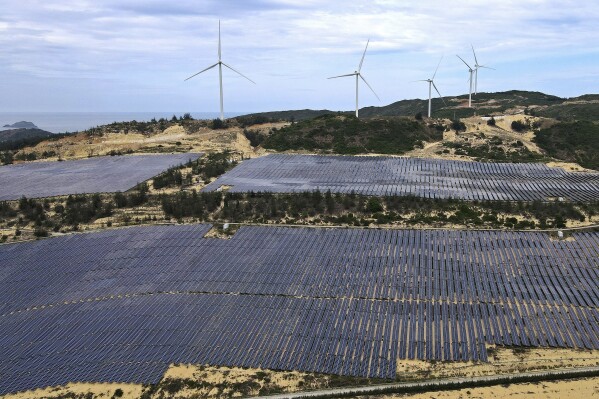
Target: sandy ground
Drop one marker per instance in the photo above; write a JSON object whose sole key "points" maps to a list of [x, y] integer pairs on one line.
{"points": [[130, 391], [176, 139], [172, 139], [217, 382], [502, 129], [501, 361], [583, 388]]}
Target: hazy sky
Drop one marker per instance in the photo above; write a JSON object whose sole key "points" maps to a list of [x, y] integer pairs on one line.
{"points": [[133, 55]]}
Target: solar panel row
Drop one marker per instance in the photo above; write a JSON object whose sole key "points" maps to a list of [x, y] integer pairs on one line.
{"points": [[327, 300], [429, 178], [91, 175]]}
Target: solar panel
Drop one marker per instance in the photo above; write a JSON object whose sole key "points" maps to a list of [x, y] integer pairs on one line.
{"points": [[121, 305], [430, 178], [91, 175]]}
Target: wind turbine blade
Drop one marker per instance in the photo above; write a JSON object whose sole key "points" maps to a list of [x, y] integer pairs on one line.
{"points": [[421, 80], [486, 67], [239, 73], [363, 55], [219, 52], [463, 61], [473, 52], [342, 76], [203, 70], [360, 75], [434, 74], [440, 96]]}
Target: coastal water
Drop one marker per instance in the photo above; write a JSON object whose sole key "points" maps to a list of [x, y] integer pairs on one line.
{"points": [[60, 122]]}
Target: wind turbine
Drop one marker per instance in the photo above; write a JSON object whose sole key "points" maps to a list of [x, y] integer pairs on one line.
{"points": [[471, 71], [431, 84], [220, 64], [476, 67], [358, 74]]}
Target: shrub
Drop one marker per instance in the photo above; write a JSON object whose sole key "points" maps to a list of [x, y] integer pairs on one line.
{"points": [[374, 205], [519, 126], [458, 126], [218, 124]]}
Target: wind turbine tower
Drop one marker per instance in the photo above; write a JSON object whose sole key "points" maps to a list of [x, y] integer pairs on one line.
{"points": [[477, 66], [220, 64], [358, 76], [431, 84], [471, 71]]}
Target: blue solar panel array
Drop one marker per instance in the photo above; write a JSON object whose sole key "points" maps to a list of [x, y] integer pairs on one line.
{"points": [[121, 305], [429, 178], [91, 175]]}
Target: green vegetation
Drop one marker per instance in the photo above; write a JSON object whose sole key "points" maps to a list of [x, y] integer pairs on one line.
{"points": [[572, 141], [9, 148], [255, 137], [309, 208], [358, 210], [350, 135], [519, 126], [485, 104], [213, 165], [495, 150], [294, 115], [573, 111], [458, 126], [23, 135]]}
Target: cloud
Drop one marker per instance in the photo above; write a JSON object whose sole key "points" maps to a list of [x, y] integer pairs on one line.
{"points": [[290, 46]]}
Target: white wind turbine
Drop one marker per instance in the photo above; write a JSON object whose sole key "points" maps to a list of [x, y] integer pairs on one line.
{"points": [[476, 68], [431, 84], [220, 64], [471, 71], [358, 74]]}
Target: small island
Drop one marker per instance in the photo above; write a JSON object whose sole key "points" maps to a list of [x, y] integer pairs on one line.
{"points": [[22, 125]]}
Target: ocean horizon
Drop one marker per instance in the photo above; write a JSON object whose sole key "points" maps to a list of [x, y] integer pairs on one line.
{"points": [[61, 122]]}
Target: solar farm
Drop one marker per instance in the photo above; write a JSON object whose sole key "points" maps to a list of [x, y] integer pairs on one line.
{"points": [[121, 305], [92, 175], [429, 178]]}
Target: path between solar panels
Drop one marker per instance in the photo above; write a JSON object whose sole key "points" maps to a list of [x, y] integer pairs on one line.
{"points": [[442, 384]]}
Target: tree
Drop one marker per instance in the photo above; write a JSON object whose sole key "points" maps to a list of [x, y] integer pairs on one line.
{"points": [[519, 126], [418, 116], [491, 121], [218, 124], [458, 125]]}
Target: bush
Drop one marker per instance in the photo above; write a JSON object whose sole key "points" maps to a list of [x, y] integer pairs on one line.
{"points": [[374, 205], [218, 124], [40, 232], [519, 126], [458, 126], [254, 137], [491, 122], [572, 141]]}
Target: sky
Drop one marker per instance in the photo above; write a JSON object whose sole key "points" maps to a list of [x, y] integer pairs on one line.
{"points": [[133, 55]]}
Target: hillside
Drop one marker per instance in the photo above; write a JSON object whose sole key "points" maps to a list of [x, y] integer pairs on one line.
{"points": [[572, 141], [511, 102], [22, 134], [22, 125], [349, 135]]}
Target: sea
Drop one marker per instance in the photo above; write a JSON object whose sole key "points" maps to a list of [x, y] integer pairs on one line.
{"points": [[62, 122]]}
